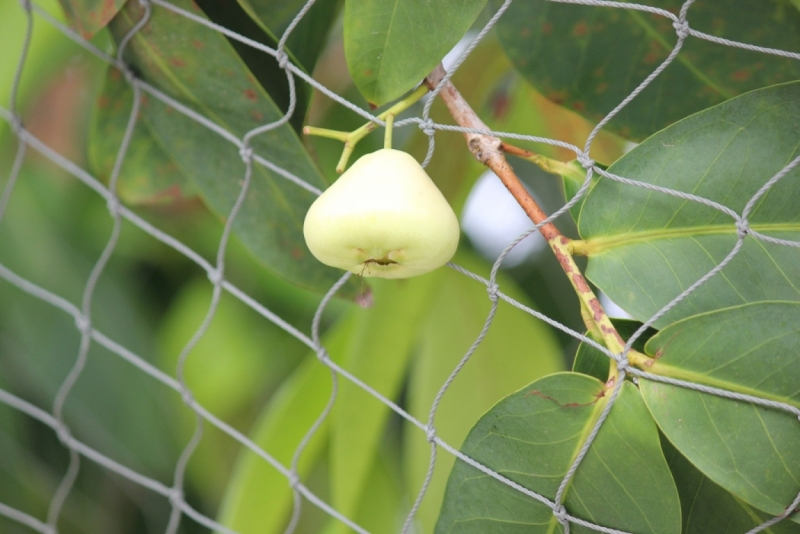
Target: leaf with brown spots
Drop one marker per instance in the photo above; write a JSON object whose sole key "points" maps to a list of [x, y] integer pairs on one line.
{"points": [[589, 58], [216, 83]]}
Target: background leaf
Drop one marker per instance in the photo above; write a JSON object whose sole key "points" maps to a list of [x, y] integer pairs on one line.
{"points": [[197, 66], [517, 350], [90, 16], [532, 438], [391, 45], [148, 175], [590, 58], [378, 353], [645, 248], [308, 38], [749, 450]]}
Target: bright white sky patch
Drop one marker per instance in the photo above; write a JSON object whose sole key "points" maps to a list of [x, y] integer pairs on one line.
{"points": [[492, 219]]}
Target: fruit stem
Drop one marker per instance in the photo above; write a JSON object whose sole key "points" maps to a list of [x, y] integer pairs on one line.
{"points": [[490, 150], [387, 140], [351, 139]]}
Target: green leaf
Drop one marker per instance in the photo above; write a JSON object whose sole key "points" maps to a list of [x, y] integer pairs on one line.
{"points": [[532, 438], [198, 67], [645, 248], [590, 58], [148, 175], [90, 16], [517, 350], [378, 353], [749, 450], [391, 45], [709, 509], [592, 362], [309, 36], [258, 499]]}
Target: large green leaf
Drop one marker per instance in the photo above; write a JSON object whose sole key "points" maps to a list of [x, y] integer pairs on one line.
{"points": [[532, 438], [198, 67], [391, 45], [709, 509], [647, 247], [148, 175], [590, 58], [750, 451], [378, 353], [517, 350]]}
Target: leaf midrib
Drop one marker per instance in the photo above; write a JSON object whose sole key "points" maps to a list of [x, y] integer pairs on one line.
{"points": [[595, 246]]}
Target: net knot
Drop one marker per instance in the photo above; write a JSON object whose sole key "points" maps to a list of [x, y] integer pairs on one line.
{"points": [[127, 72], [83, 324], [622, 363], [427, 127], [742, 228], [561, 514], [283, 59], [63, 435], [294, 480], [681, 28], [26, 5], [175, 497], [16, 125], [113, 206], [246, 152], [215, 276], [430, 433], [186, 397], [585, 160], [493, 291], [322, 355]]}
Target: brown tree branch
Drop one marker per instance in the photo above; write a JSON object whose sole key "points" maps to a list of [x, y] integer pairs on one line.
{"points": [[489, 150]]}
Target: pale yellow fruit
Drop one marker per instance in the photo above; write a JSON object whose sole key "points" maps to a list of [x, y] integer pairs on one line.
{"points": [[383, 217]]}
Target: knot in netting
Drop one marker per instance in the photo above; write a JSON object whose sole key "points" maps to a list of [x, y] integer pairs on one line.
{"points": [[83, 324], [128, 73], [294, 479], [622, 362], [215, 276], [742, 228], [63, 435], [427, 127], [113, 206], [493, 291], [246, 153], [322, 354], [186, 396], [430, 433], [681, 28], [283, 58], [560, 514], [26, 5], [585, 160], [16, 125], [175, 497]]}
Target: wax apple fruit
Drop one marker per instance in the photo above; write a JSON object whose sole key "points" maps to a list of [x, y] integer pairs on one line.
{"points": [[383, 217]]}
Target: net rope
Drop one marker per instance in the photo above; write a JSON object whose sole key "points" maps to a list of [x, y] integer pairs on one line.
{"points": [[90, 334]]}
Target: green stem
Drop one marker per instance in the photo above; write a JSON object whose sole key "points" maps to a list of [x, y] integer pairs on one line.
{"points": [[351, 139], [387, 140]]}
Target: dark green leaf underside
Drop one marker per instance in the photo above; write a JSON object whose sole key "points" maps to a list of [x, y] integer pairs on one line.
{"points": [[198, 67], [590, 58]]}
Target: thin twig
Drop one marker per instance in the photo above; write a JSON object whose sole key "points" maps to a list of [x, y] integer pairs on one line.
{"points": [[489, 150]]}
